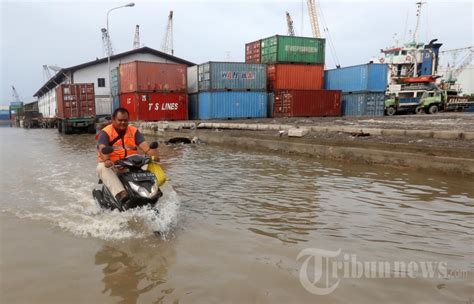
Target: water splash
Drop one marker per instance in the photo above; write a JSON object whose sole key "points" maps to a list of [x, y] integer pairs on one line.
{"points": [[85, 218]]}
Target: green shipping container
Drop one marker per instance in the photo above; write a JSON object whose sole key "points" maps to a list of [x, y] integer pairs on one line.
{"points": [[291, 49]]}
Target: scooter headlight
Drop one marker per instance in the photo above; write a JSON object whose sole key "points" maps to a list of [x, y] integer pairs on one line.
{"points": [[143, 192]]}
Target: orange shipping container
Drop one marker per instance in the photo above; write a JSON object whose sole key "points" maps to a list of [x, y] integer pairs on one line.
{"points": [[295, 77], [142, 76], [75, 100]]}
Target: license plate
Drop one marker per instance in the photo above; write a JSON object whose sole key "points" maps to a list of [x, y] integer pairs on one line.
{"points": [[142, 176]]}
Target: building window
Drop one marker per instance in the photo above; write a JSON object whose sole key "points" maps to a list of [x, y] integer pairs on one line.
{"points": [[101, 82]]}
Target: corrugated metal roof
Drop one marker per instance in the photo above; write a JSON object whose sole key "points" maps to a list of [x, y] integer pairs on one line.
{"points": [[59, 77]]}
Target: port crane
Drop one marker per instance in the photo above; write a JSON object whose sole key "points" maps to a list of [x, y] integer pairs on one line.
{"points": [[454, 71], [313, 18], [167, 45], [15, 95], [106, 43], [136, 39], [46, 73], [289, 22]]}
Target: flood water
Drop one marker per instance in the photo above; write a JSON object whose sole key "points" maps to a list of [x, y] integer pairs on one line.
{"points": [[233, 224]]}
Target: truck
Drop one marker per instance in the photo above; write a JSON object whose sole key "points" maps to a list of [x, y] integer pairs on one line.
{"points": [[31, 117], [76, 108], [403, 102], [443, 100]]}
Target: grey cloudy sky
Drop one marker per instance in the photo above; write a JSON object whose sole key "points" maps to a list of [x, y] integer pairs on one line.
{"points": [[67, 33]]}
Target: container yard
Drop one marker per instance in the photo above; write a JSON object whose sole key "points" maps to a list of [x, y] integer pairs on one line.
{"points": [[263, 159]]}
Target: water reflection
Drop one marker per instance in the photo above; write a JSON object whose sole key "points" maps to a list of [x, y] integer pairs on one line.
{"points": [[134, 268]]}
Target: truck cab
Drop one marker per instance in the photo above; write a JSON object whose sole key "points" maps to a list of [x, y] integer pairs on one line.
{"points": [[433, 102]]}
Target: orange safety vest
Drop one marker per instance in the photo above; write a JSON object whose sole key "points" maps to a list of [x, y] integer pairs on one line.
{"points": [[124, 146]]}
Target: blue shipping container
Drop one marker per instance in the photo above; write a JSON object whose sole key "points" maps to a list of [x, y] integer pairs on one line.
{"points": [[5, 116], [115, 82], [363, 104], [360, 78], [228, 105], [116, 103], [232, 76]]}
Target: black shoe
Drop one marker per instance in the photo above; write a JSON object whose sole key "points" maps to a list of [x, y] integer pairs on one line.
{"points": [[122, 197]]}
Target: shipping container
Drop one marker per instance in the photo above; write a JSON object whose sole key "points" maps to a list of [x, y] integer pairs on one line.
{"points": [[363, 104], [270, 103], [291, 49], [164, 106], [115, 81], [155, 106], [5, 116], [47, 104], [305, 103], [116, 103], [103, 107], [193, 79], [295, 77], [16, 104], [228, 105], [142, 76], [232, 76], [130, 101], [360, 78], [4, 108], [252, 52], [75, 100]]}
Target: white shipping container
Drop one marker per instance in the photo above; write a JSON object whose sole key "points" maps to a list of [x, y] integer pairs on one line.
{"points": [[193, 79], [47, 104], [4, 108]]}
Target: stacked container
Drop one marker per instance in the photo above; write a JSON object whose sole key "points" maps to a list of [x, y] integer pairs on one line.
{"points": [[295, 76], [363, 88], [152, 91], [4, 113], [227, 90]]}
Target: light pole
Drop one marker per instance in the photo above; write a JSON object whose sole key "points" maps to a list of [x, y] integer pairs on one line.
{"points": [[108, 54]]}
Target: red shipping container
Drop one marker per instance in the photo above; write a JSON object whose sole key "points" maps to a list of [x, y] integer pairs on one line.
{"points": [[131, 101], [142, 76], [295, 77], [305, 103], [164, 106], [75, 100], [252, 52]]}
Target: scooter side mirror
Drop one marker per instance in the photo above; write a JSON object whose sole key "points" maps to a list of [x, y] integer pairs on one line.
{"points": [[107, 150], [154, 145]]}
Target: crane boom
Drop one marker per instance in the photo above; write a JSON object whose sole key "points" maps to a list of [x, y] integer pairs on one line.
{"points": [[167, 45], [136, 39], [313, 18], [15, 95], [418, 18], [289, 22]]}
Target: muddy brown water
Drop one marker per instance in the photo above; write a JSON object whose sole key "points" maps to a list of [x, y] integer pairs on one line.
{"points": [[233, 225]]}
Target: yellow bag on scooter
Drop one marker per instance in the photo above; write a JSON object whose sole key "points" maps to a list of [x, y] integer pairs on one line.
{"points": [[156, 169]]}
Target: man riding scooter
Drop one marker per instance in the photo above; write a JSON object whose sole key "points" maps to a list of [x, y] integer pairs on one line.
{"points": [[124, 140]]}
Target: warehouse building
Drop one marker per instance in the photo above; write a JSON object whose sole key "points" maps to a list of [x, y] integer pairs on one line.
{"points": [[96, 72]]}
